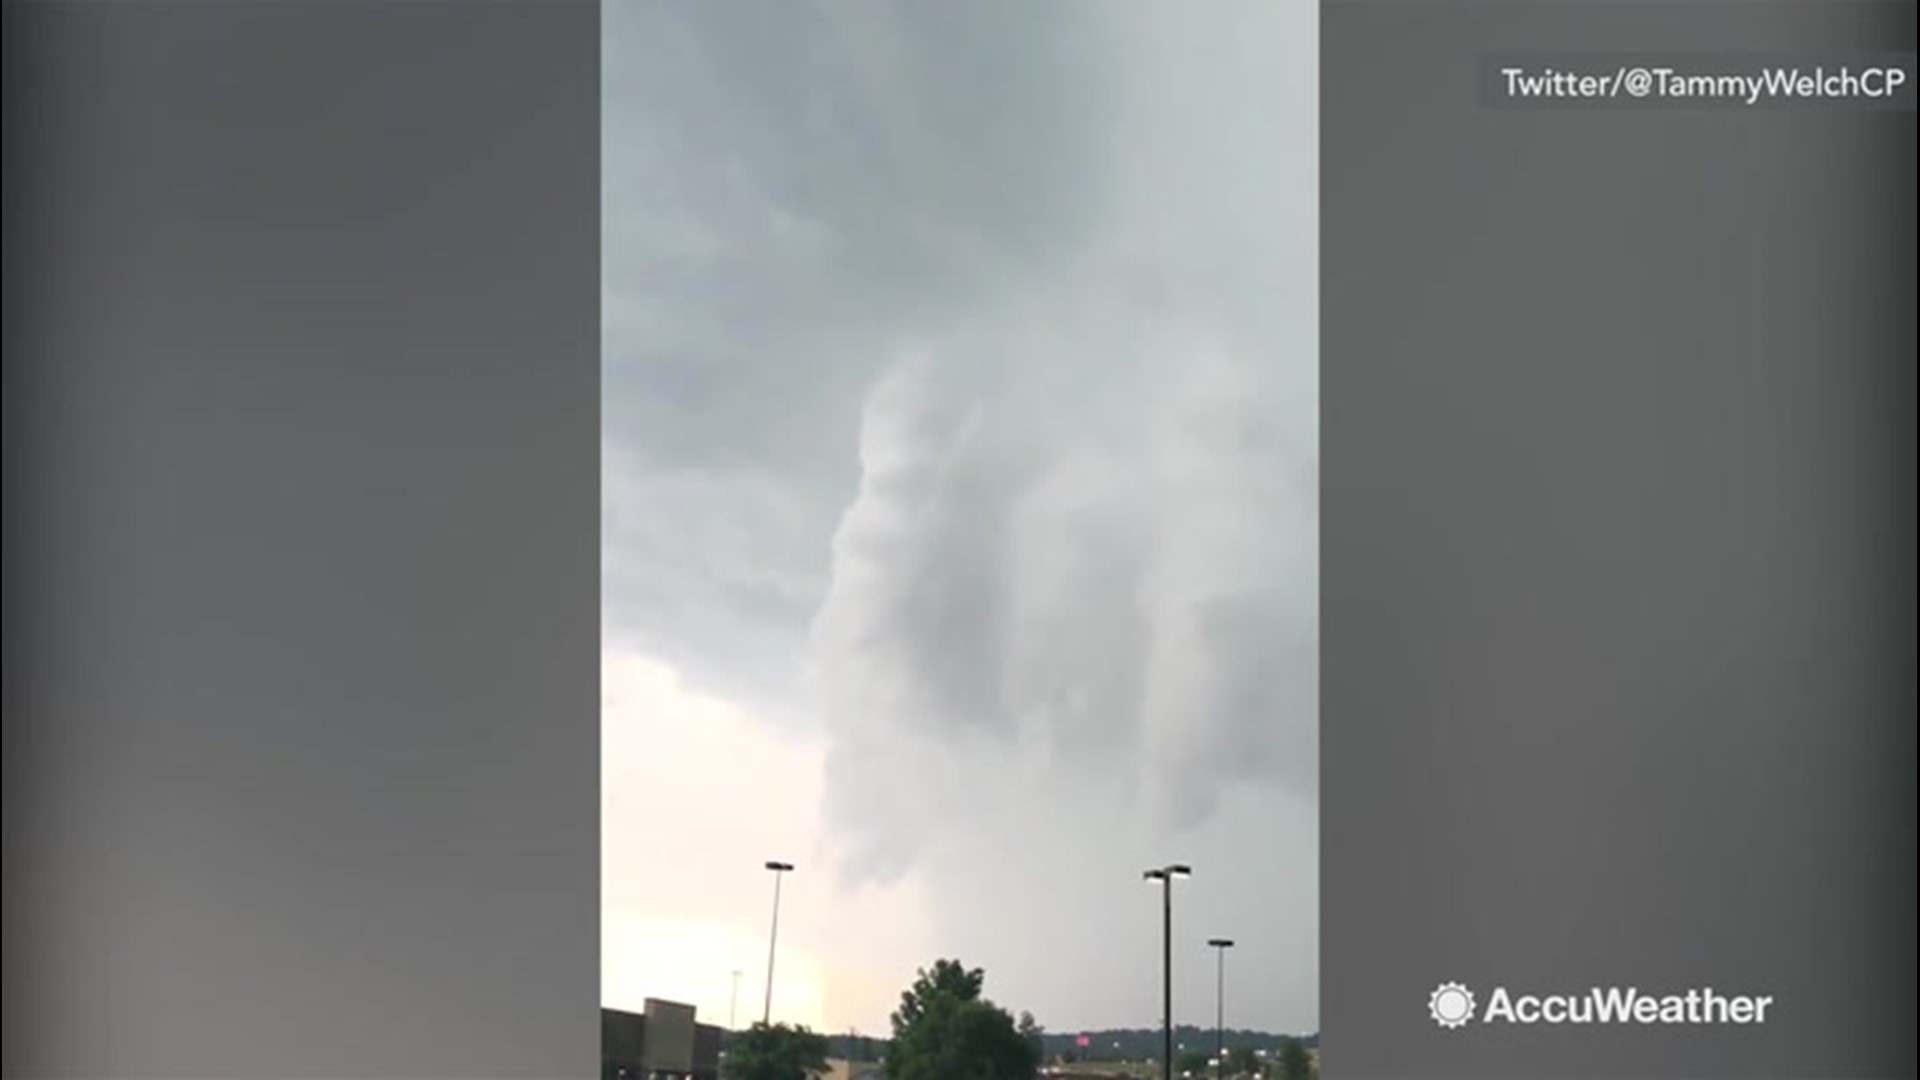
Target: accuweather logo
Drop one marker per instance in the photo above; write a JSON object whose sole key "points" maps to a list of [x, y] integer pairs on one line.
{"points": [[1452, 1006]]}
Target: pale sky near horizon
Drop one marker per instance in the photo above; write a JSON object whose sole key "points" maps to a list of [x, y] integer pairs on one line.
{"points": [[961, 508]]}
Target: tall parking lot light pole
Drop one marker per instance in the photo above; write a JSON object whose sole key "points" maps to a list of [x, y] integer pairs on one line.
{"points": [[780, 870], [1220, 946], [1165, 876]]}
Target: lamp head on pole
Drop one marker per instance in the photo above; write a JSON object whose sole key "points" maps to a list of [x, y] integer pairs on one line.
{"points": [[1220, 942], [778, 867], [1168, 873]]}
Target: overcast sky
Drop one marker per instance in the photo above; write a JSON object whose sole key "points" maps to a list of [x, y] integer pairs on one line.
{"points": [[961, 505]]}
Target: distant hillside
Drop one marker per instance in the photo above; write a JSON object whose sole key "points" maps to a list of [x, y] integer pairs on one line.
{"points": [[1129, 1044], [1140, 1043]]}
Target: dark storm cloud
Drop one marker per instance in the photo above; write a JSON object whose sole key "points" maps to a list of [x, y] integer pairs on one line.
{"points": [[961, 372], [788, 186]]}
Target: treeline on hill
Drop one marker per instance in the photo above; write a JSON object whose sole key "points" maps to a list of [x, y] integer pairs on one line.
{"points": [[946, 1027], [1127, 1044], [1138, 1044]]}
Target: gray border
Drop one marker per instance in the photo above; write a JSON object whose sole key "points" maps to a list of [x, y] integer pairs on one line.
{"points": [[1617, 588], [303, 565]]}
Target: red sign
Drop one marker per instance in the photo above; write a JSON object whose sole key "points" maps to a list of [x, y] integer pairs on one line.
{"points": [[1083, 1040]]}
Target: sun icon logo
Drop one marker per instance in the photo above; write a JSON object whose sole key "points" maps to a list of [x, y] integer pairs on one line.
{"points": [[1451, 1005]]}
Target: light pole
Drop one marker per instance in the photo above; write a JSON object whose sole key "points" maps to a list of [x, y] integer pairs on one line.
{"points": [[733, 1003], [1165, 875], [780, 870], [1220, 946]]}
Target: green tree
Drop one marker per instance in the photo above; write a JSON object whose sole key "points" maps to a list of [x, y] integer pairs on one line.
{"points": [[1242, 1061], [1031, 1031], [946, 978], [1192, 1061], [1295, 1063], [945, 1030], [776, 1052]]}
